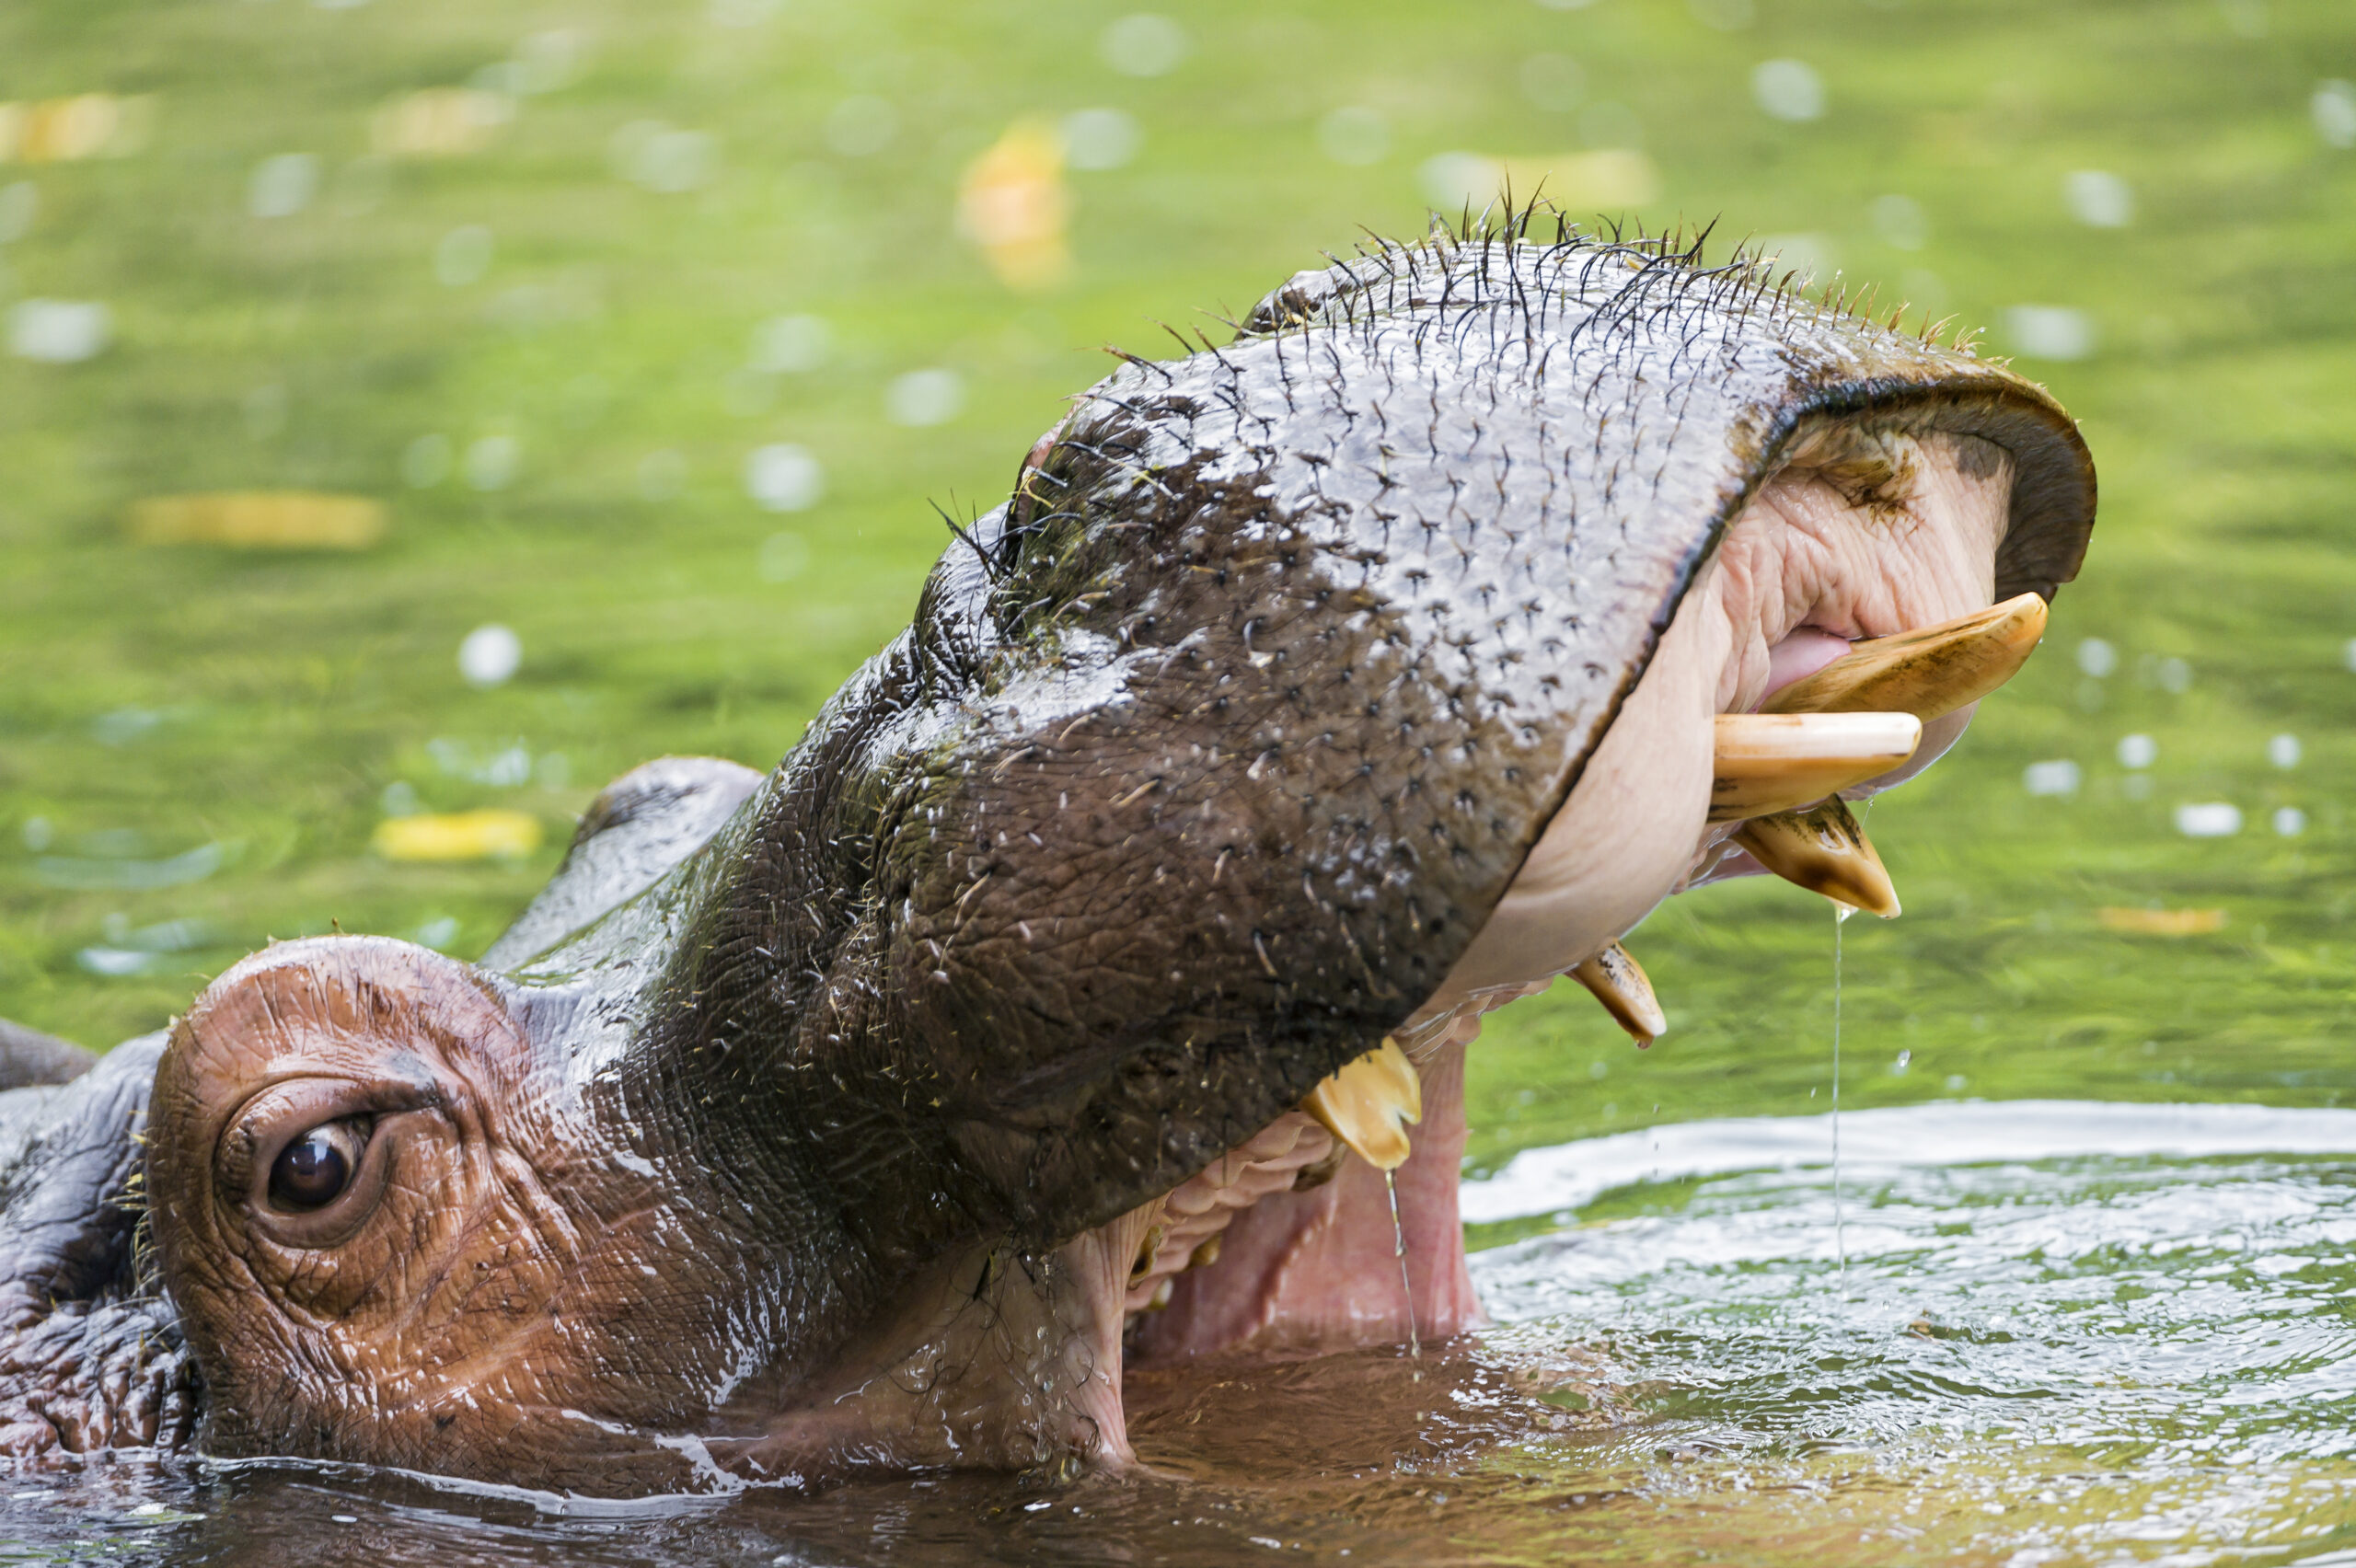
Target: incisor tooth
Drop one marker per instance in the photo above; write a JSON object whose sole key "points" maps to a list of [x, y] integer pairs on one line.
{"points": [[1368, 1103], [1929, 671], [1768, 762], [1825, 851], [1619, 984]]}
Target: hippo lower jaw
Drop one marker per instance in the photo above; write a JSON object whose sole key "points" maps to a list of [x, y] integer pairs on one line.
{"points": [[1288, 1243]]}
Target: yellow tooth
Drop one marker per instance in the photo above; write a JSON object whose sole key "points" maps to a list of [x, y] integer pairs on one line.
{"points": [[1930, 671], [1368, 1103], [1768, 762], [1626, 994], [1825, 851]]}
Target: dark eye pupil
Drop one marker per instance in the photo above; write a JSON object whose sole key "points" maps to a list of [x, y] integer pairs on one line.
{"points": [[313, 1172]]}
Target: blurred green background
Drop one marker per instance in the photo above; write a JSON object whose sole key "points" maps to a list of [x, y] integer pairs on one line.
{"points": [[655, 328]]}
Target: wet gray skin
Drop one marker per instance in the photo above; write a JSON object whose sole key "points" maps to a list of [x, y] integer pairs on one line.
{"points": [[816, 1121]]}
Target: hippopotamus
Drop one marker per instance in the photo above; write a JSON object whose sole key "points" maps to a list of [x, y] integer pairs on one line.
{"points": [[1090, 987]]}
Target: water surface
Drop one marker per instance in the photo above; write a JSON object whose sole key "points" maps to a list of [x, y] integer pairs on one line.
{"points": [[2083, 1357]]}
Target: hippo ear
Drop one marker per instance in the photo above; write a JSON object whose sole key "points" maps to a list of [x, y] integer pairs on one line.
{"points": [[29, 1058], [638, 827], [90, 1355]]}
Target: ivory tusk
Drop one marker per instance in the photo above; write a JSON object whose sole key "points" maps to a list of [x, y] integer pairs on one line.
{"points": [[1619, 983], [1823, 850], [1929, 671], [1771, 763]]}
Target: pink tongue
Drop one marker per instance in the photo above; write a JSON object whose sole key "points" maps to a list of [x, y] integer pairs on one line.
{"points": [[1802, 653]]}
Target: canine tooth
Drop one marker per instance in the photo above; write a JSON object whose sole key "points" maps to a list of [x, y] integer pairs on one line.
{"points": [[1619, 984], [1768, 762], [1369, 1103], [1930, 671], [1825, 851]]}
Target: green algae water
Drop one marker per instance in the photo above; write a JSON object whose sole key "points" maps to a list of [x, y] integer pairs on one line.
{"points": [[652, 350]]}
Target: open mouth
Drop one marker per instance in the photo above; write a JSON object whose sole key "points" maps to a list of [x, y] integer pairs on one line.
{"points": [[1091, 988], [1834, 647]]}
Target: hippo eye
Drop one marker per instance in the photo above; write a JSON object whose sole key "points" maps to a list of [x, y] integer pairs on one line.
{"points": [[314, 1170]]}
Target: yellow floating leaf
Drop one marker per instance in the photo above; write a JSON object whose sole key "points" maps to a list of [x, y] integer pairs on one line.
{"points": [[439, 122], [458, 835], [64, 129], [1013, 202], [260, 520], [2161, 922]]}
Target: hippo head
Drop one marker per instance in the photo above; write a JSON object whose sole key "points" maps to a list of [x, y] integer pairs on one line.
{"points": [[1308, 696]]}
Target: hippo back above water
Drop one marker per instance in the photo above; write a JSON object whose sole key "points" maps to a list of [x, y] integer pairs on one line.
{"points": [[1307, 697]]}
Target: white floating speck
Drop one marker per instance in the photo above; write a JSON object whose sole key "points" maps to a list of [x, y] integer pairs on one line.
{"points": [[661, 157], [784, 558], [1552, 82], [491, 462], [2138, 751], [2290, 821], [783, 477], [2333, 108], [2100, 198], [58, 332], [18, 203], [462, 255], [2096, 657], [2058, 777], [1144, 44], [1355, 134], [489, 655], [2283, 751], [1788, 89], [1101, 138], [662, 474], [925, 398], [786, 345], [2208, 818], [2050, 332], [426, 462], [861, 126], [283, 185], [1901, 223]]}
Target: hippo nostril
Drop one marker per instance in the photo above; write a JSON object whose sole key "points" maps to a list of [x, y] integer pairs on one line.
{"points": [[314, 1170]]}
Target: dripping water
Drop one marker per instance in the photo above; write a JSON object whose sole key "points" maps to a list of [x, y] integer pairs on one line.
{"points": [[1399, 1250], [1841, 913]]}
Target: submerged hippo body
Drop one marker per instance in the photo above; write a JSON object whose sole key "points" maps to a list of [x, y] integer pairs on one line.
{"points": [[1323, 687]]}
